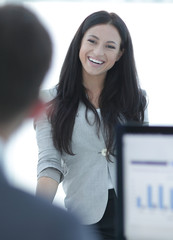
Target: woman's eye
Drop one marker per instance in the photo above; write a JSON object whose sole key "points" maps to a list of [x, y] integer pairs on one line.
{"points": [[110, 46], [91, 41]]}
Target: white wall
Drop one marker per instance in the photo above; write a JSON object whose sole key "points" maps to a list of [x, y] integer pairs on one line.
{"points": [[150, 26]]}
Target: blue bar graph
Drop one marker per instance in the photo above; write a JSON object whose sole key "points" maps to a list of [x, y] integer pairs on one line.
{"points": [[160, 193], [159, 199], [149, 197]]}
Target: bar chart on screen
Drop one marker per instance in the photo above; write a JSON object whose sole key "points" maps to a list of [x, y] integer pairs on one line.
{"points": [[148, 184], [160, 204], [151, 190]]}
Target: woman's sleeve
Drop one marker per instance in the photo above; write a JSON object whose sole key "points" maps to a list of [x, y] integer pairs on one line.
{"points": [[51, 173], [49, 159]]}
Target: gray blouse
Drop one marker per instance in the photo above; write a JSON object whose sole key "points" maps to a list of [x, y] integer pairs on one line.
{"points": [[87, 175]]}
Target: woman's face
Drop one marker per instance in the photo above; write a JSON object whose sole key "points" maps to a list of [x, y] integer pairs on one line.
{"points": [[100, 49]]}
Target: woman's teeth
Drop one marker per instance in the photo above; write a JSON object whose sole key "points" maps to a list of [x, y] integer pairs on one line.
{"points": [[95, 61]]}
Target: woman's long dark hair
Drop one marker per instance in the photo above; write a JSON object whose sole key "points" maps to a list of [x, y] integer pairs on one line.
{"points": [[120, 98]]}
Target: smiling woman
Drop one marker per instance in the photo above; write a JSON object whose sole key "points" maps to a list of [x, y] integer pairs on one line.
{"points": [[98, 88], [100, 49], [150, 25]]}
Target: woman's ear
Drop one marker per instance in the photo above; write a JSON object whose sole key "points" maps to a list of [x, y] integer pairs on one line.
{"points": [[120, 54]]}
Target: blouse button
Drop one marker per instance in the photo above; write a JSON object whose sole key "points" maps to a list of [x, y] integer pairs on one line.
{"points": [[104, 152]]}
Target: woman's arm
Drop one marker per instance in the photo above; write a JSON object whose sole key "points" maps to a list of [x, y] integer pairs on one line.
{"points": [[49, 168], [47, 187]]}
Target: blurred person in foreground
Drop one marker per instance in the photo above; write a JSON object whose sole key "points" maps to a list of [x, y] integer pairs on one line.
{"points": [[25, 57]]}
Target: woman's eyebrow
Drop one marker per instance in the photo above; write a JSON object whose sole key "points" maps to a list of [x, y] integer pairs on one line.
{"points": [[112, 42], [94, 36], [107, 41]]}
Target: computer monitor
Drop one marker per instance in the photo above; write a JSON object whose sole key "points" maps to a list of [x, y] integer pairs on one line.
{"points": [[145, 182]]}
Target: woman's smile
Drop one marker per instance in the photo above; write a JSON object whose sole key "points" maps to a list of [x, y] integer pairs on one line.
{"points": [[100, 49], [96, 61]]}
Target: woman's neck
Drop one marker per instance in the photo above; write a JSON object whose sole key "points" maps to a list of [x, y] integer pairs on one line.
{"points": [[94, 86]]}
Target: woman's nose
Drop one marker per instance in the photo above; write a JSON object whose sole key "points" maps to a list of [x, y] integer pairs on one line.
{"points": [[99, 50]]}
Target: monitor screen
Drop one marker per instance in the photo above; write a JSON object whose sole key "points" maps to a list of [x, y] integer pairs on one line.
{"points": [[147, 186]]}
